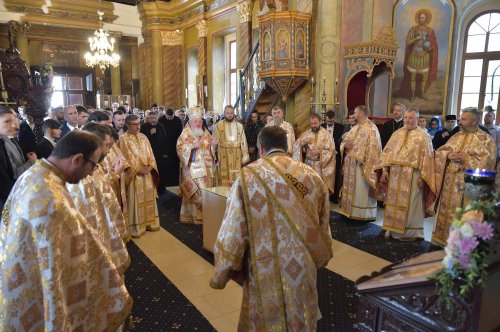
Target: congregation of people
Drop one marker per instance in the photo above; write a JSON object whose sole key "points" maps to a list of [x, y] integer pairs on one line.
{"points": [[75, 194]]}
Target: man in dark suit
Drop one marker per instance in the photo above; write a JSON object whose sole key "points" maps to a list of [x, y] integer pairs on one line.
{"points": [[6, 172], [336, 129], [157, 137], [71, 117], [26, 135], [51, 133], [391, 126]]}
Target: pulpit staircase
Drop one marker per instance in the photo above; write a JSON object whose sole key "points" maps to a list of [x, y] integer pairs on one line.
{"points": [[254, 94]]}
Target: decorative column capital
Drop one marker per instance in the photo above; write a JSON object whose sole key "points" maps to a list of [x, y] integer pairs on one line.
{"points": [[171, 38], [202, 28], [146, 35], [19, 28], [245, 9]]}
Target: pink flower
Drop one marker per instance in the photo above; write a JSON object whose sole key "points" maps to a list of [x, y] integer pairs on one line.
{"points": [[483, 230], [467, 245], [464, 261], [453, 238]]}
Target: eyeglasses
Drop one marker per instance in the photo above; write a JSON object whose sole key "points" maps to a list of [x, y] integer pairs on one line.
{"points": [[94, 165]]}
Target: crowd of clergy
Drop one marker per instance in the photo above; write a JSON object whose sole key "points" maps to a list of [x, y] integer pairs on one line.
{"points": [[104, 169]]}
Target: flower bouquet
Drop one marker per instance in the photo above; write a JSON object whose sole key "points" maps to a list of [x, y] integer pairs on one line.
{"points": [[467, 251]]}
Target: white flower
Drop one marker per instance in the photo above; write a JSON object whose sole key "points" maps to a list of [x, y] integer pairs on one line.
{"points": [[466, 230], [448, 262]]}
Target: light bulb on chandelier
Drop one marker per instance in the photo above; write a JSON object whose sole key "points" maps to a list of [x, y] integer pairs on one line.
{"points": [[101, 48]]}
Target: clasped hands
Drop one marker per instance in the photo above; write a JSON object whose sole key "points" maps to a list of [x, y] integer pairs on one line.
{"points": [[349, 144], [314, 150], [145, 169], [457, 156], [198, 144]]}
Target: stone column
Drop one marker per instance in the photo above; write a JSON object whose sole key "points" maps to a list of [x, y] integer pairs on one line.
{"points": [[244, 31], [135, 74], [327, 51], [20, 30], [157, 70], [116, 86], [202, 63], [173, 88]]}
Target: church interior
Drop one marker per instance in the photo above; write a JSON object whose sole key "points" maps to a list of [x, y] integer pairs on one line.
{"points": [[306, 56]]}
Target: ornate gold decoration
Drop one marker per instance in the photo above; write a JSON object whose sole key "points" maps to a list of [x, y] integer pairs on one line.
{"points": [[271, 4], [245, 10], [64, 14], [20, 28], [369, 54], [202, 28], [284, 50], [365, 57], [171, 38]]}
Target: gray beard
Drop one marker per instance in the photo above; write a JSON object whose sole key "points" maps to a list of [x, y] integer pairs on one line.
{"points": [[197, 132], [315, 130]]}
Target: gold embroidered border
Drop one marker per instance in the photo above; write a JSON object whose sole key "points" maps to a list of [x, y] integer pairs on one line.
{"points": [[246, 201], [306, 208], [293, 227], [226, 254]]}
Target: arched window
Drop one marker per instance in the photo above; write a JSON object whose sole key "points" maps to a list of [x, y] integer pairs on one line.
{"points": [[480, 84]]}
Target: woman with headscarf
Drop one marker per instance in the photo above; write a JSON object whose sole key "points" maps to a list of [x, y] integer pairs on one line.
{"points": [[434, 126]]}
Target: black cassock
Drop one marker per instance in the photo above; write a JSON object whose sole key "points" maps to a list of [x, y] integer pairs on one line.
{"points": [[157, 136], [173, 129]]}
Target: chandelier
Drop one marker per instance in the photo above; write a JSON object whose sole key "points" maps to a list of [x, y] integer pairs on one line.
{"points": [[101, 48]]}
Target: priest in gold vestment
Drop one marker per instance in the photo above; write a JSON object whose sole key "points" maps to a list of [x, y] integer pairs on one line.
{"points": [[143, 175], [275, 235], [95, 199], [469, 148], [56, 273], [115, 167], [232, 151], [316, 148], [196, 151], [408, 170], [363, 147], [278, 116]]}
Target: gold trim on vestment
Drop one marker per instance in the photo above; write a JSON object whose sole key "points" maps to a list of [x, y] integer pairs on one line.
{"points": [[306, 208], [276, 256], [246, 201], [226, 254], [356, 218]]}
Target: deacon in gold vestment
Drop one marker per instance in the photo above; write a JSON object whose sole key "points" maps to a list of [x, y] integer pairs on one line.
{"points": [[95, 199], [143, 175], [363, 147], [316, 149], [275, 235], [56, 273], [278, 116], [195, 148], [469, 148], [408, 164], [232, 150]]}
